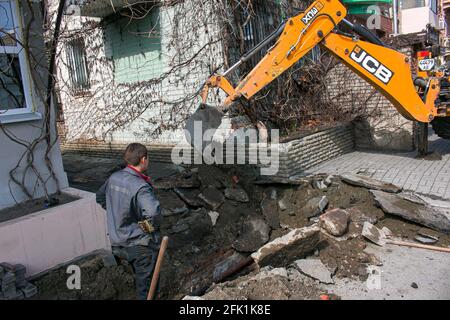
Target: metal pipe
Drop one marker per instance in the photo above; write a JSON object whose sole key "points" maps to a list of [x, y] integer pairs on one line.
{"points": [[256, 49], [348, 23], [364, 33], [234, 268]]}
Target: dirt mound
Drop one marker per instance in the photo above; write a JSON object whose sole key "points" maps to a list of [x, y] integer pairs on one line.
{"points": [[275, 284], [97, 282]]}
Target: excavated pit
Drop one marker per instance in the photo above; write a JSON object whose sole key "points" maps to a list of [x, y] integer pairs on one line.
{"points": [[212, 213]]}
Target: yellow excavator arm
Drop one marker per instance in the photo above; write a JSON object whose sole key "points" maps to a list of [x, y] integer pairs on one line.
{"points": [[386, 69]]}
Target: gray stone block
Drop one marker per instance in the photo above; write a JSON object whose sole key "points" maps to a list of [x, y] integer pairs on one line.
{"points": [[29, 290], [21, 282], [19, 295], [9, 291], [8, 278], [19, 270], [7, 266]]}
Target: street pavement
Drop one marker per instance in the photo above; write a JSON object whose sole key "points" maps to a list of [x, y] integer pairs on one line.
{"points": [[429, 175]]}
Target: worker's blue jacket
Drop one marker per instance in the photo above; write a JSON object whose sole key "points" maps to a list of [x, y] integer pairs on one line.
{"points": [[128, 198]]}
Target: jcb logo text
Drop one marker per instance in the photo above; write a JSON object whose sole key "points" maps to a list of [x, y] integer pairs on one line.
{"points": [[380, 71]]}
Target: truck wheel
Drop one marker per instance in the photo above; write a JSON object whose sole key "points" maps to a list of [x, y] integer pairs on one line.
{"points": [[441, 125]]}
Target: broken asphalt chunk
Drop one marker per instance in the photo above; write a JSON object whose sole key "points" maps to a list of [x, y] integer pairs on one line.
{"points": [[212, 197], [412, 208], [254, 234], [425, 240], [180, 226], [428, 233], [236, 194], [315, 269], [369, 183], [267, 180], [181, 180], [286, 249], [189, 196]]}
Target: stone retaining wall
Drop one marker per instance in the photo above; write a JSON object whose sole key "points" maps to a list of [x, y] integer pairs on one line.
{"points": [[295, 156], [307, 152]]}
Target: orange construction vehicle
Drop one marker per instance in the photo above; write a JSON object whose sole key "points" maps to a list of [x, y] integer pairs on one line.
{"points": [[420, 99]]}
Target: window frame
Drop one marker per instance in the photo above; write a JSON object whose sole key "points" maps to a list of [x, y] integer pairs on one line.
{"points": [[29, 107], [431, 2], [77, 89]]}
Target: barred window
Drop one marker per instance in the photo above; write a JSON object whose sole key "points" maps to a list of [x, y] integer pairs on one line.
{"points": [[76, 63]]}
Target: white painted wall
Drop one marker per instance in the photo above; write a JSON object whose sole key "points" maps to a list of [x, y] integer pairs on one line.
{"points": [[54, 236], [11, 153], [415, 19], [86, 119]]}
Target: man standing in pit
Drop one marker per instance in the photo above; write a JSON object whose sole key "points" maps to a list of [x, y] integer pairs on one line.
{"points": [[133, 216]]}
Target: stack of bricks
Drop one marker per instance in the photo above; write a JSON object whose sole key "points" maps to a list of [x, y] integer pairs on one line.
{"points": [[13, 284]]}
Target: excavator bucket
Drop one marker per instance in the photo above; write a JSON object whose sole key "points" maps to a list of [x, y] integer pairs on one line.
{"points": [[203, 119]]}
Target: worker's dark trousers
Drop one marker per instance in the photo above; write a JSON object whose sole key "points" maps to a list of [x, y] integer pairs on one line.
{"points": [[143, 260]]}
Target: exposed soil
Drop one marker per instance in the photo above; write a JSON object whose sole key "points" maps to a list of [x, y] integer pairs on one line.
{"points": [[31, 206], [346, 258], [97, 282], [408, 230], [196, 246], [253, 287]]}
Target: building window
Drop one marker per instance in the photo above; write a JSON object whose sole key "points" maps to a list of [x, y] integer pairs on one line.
{"points": [[76, 63], [15, 85], [433, 6], [134, 46]]}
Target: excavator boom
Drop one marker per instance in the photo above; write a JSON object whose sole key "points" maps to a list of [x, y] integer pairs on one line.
{"points": [[387, 70]]}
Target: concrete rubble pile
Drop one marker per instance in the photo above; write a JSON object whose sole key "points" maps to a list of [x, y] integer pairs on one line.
{"points": [[315, 231]]}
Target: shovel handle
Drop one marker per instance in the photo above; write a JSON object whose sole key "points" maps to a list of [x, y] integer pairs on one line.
{"points": [[418, 245], [159, 261]]}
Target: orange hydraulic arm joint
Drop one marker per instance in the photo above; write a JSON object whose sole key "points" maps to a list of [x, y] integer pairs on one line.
{"points": [[296, 37], [386, 69]]}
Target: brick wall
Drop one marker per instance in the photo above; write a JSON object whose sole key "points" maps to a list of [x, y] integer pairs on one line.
{"points": [[295, 156], [120, 107], [307, 152], [381, 126], [157, 153]]}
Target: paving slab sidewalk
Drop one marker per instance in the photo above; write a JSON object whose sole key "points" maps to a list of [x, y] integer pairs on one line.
{"points": [[429, 175]]}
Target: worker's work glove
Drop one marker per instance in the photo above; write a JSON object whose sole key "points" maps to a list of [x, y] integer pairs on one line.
{"points": [[146, 226]]}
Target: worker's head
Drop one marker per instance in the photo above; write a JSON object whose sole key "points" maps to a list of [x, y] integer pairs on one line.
{"points": [[136, 155]]}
